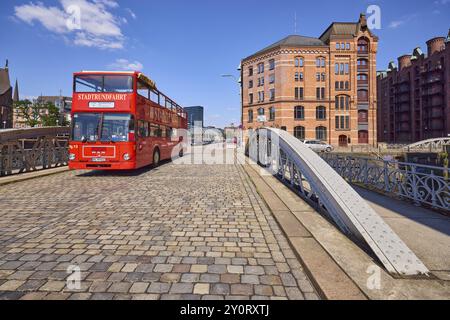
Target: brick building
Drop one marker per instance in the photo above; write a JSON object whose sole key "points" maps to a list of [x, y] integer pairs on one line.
{"points": [[414, 97], [6, 98], [315, 88]]}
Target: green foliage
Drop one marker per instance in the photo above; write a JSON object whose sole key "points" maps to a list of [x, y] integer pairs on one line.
{"points": [[37, 113]]}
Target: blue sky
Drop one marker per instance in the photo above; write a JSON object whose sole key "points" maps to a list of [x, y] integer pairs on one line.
{"points": [[185, 45]]}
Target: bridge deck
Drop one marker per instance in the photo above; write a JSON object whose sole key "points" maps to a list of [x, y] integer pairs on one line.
{"points": [[195, 231], [426, 232]]}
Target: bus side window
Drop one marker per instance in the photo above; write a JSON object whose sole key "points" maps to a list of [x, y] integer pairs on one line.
{"points": [[162, 100], [163, 130], [169, 132], [147, 129], [153, 131], [154, 96], [141, 128]]}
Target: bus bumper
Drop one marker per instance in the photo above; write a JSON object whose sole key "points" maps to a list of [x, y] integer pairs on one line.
{"points": [[128, 165]]}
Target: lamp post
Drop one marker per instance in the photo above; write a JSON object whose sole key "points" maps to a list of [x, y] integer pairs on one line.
{"points": [[239, 83], [4, 124]]}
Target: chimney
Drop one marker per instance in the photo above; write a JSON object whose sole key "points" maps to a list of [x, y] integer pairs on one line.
{"points": [[363, 21], [6, 64], [404, 61], [435, 45]]}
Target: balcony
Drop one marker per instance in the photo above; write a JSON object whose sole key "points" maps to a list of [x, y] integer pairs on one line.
{"points": [[363, 83], [363, 68]]}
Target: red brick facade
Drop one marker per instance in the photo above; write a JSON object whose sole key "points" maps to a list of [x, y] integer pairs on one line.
{"points": [[414, 98], [315, 88]]}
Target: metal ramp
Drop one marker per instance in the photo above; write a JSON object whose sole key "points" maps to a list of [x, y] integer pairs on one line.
{"points": [[290, 160]]}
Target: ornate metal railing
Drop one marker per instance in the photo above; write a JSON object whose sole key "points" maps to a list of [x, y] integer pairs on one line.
{"points": [[313, 179], [26, 150], [425, 185]]}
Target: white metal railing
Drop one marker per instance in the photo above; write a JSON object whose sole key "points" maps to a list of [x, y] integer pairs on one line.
{"points": [[313, 179], [425, 185]]}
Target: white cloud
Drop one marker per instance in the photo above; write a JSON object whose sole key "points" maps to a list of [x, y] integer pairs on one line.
{"points": [[84, 22], [132, 14], [397, 23], [126, 65]]}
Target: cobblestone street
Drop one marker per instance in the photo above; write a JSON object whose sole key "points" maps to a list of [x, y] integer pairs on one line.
{"points": [[176, 232]]}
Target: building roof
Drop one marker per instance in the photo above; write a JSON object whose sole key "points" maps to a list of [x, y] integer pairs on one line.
{"points": [[5, 84], [16, 92], [292, 41], [346, 28]]}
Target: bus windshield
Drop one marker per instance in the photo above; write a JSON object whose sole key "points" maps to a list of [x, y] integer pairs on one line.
{"points": [[105, 127], [103, 83]]}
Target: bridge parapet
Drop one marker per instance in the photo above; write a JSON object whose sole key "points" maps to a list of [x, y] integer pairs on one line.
{"points": [[430, 145], [32, 149], [312, 178], [425, 185]]}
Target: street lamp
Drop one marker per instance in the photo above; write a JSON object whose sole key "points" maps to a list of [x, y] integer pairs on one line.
{"points": [[4, 124]]}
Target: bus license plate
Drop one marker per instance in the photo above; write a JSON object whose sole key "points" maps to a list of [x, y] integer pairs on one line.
{"points": [[98, 160]]}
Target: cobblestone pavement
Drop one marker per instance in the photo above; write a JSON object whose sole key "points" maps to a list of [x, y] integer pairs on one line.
{"points": [[176, 232]]}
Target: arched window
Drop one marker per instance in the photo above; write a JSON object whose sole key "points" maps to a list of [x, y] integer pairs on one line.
{"points": [[321, 133], [250, 116], [363, 45], [299, 113], [321, 113], [260, 111], [342, 102], [363, 116], [299, 61], [299, 132], [320, 62]]}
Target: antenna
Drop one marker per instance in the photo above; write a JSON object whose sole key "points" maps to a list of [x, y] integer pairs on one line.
{"points": [[295, 22]]}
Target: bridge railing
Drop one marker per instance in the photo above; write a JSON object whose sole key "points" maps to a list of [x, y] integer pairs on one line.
{"points": [[313, 179], [26, 150], [425, 185]]}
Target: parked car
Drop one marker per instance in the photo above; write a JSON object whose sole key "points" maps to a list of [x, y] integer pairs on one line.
{"points": [[318, 146]]}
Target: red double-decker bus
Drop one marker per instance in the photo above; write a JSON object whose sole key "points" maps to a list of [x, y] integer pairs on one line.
{"points": [[121, 121]]}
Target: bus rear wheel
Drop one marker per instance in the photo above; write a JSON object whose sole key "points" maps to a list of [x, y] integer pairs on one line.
{"points": [[156, 158]]}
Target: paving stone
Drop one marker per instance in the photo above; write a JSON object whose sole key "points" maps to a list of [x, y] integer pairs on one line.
{"points": [[158, 287], [294, 293], [250, 279], [190, 277], [256, 270], [201, 288], [217, 268], [119, 287], [139, 287], [123, 241], [209, 278], [220, 288]]}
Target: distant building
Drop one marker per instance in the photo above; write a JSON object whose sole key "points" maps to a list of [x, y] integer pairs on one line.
{"points": [[414, 97], [231, 133], [64, 104], [315, 88], [6, 98], [195, 116]]}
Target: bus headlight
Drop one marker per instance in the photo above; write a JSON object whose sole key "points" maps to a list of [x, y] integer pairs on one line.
{"points": [[126, 157], [71, 157]]}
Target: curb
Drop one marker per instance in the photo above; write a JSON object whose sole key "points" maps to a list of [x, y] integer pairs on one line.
{"points": [[328, 278], [31, 175]]}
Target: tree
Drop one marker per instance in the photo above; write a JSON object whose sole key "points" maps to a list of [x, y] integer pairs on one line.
{"points": [[29, 111], [37, 113], [52, 117]]}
